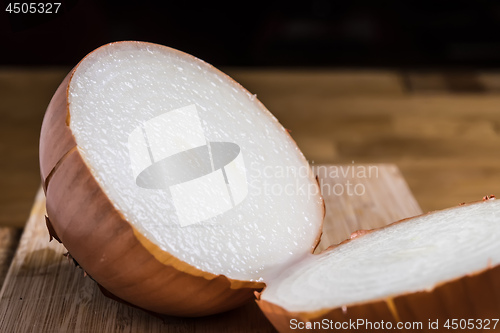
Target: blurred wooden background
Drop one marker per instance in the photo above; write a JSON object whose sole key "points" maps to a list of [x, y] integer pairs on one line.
{"points": [[441, 129]]}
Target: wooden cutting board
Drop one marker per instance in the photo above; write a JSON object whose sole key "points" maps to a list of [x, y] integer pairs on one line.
{"points": [[44, 292]]}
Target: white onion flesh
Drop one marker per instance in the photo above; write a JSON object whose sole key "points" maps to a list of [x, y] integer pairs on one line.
{"points": [[122, 86]]}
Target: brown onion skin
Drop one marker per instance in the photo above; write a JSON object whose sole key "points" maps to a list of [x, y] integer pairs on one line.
{"points": [[56, 140], [108, 247], [474, 296]]}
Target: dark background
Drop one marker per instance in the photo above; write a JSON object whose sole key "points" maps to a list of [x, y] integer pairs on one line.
{"points": [[389, 34]]}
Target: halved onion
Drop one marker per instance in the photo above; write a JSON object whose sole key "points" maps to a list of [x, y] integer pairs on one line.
{"points": [[161, 180]]}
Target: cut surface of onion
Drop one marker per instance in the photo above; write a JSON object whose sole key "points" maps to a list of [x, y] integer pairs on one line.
{"points": [[414, 255], [188, 157]]}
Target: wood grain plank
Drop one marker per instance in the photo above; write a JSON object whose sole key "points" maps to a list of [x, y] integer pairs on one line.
{"points": [[313, 83], [448, 81], [44, 292], [9, 239], [362, 196], [24, 96]]}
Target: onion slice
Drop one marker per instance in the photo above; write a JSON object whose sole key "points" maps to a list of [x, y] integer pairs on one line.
{"points": [[440, 265]]}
